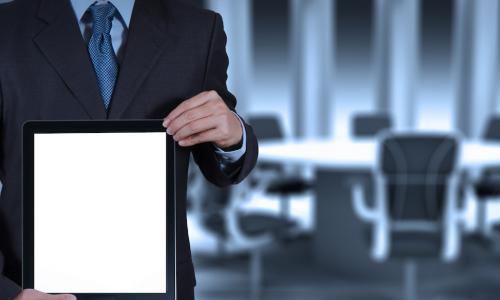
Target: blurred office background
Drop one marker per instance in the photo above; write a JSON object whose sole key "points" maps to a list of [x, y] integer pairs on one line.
{"points": [[324, 82]]}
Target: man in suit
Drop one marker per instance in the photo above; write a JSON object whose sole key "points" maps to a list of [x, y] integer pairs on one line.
{"points": [[116, 59]]}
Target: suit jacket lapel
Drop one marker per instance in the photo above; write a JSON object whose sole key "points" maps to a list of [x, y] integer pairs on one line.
{"points": [[63, 46], [151, 33]]}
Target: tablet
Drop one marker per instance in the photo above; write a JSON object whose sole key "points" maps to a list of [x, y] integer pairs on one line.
{"points": [[99, 209]]}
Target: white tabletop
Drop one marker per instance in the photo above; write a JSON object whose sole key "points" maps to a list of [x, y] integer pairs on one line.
{"points": [[360, 154]]}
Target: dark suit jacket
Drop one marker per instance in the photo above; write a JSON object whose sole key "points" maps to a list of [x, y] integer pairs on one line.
{"points": [[173, 52]]}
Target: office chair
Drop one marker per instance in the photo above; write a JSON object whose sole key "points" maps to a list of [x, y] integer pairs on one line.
{"points": [[488, 185], [271, 177], [415, 214], [237, 232], [369, 125]]}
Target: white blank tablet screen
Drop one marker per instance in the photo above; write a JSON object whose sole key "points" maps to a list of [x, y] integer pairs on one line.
{"points": [[100, 213]]}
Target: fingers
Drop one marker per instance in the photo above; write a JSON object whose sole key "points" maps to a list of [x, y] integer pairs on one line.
{"points": [[199, 138], [192, 115], [219, 128], [189, 104], [30, 294], [196, 127]]}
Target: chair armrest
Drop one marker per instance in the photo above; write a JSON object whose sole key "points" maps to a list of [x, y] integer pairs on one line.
{"points": [[237, 240], [455, 219], [376, 216], [362, 210]]}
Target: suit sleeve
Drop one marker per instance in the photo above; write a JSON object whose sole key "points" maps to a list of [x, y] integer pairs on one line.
{"points": [[8, 289], [215, 79]]}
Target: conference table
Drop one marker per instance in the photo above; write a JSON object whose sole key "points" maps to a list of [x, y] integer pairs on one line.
{"points": [[359, 154], [339, 239]]}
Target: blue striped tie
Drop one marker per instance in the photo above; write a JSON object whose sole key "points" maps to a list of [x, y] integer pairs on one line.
{"points": [[101, 49]]}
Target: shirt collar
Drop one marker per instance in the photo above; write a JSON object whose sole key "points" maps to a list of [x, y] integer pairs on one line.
{"points": [[124, 7]]}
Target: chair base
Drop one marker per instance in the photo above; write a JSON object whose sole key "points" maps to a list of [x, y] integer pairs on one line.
{"points": [[410, 280]]}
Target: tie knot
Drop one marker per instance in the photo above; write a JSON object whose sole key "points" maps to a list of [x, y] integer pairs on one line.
{"points": [[102, 17]]}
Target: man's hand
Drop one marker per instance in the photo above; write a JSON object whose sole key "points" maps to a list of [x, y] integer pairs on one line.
{"points": [[204, 118], [36, 295]]}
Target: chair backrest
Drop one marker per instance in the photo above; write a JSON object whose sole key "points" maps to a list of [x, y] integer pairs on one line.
{"points": [[492, 132], [266, 127], [369, 125], [416, 169]]}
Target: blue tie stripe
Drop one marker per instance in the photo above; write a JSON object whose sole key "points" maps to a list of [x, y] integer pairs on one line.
{"points": [[101, 50]]}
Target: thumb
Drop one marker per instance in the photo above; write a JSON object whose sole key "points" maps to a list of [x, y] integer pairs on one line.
{"points": [[63, 297]]}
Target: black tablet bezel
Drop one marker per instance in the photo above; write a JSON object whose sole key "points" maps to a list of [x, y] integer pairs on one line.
{"points": [[31, 128]]}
